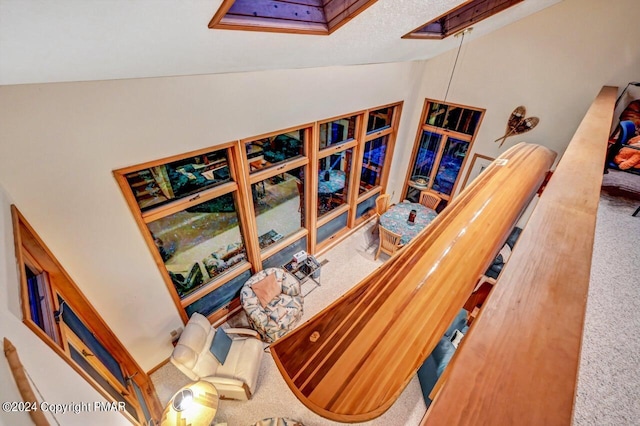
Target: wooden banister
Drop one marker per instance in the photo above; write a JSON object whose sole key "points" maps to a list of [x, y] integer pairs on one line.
{"points": [[351, 361], [519, 362]]}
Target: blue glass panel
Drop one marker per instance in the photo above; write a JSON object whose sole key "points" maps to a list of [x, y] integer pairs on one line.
{"points": [[141, 401], [372, 163], [423, 164], [454, 153], [162, 184], [366, 206], [220, 297], [86, 336], [102, 382], [285, 255], [331, 227], [338, 131], [379, 119]]}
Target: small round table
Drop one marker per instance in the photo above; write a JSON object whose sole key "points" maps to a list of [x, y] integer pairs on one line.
{"points": [[335, 183], [396, 219]]}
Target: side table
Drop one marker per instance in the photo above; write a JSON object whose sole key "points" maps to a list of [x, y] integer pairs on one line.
{"points": [[302, 271]]}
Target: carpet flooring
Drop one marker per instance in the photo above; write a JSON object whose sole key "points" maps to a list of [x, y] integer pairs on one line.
{"points": [[609, 378]]}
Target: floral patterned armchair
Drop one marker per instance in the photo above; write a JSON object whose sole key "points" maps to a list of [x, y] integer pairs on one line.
{"points": [[280, 314]]}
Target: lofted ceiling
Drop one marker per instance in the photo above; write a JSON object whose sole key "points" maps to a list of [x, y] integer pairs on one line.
{"points": [[82, 40]]}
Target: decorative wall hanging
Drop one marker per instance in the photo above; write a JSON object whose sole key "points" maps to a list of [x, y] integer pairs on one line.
{"points": [[518, 124]]}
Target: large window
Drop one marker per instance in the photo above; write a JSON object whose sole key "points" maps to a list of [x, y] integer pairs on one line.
{"points": [[445, 138], [214, 217], [55, 310]]}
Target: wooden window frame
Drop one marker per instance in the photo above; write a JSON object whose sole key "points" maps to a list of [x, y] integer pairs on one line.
{"points": [[31, 252], [240, 185], [446, 134]]}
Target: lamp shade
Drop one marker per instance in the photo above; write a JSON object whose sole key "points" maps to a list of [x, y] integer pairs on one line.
{"points": [[193, 405]]}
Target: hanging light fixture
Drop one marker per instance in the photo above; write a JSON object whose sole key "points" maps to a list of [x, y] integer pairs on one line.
{"points": [[460, 34]]}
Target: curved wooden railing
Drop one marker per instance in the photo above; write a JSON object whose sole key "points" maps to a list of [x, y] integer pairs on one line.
{"points": [[519, 362], [352, 360]]}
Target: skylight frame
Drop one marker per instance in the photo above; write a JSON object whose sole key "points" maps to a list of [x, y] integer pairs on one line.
{"points": [[339, 12], [492, 7]]}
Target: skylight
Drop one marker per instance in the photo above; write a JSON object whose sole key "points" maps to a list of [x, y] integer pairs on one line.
{"points": [[289, 16], [460, 18]]}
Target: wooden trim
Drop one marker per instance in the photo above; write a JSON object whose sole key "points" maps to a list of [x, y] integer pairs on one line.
{"points": [[246, 209], [414, 152], [338, 117], [332, 215], [270, 25], [323, 248], [446, 134], [220, 316], [353, 370], [391, 145], [186, 202], [279, 169], [60, 282], [223, 19], [473, 162], [148, 239], [332, 240], [335, 149], [378, 134], [276, 133], [215, 284], [22, 382], [546, 283], [222, 10], [274, 248], [356, 170], [311, 190], [129, 169], [357, 7]]}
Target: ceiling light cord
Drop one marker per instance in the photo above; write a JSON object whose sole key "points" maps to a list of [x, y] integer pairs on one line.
{"points": [[453, 70]]}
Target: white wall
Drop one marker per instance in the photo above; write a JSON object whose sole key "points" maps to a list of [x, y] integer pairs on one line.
{"points": [[553, 62], [51, 376], [60, 142]]}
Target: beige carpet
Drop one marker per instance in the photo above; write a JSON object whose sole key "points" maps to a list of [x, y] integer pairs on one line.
{"points": [[273, 397], [609, 379]]}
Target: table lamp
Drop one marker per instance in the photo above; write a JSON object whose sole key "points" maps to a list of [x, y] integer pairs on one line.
{"points": [[193, 405]]}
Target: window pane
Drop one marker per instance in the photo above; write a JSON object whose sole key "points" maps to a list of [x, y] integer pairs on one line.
{"points": [[423, 164], [379, 119], [366, 206], [333, 226], [39, 306], [279, 206], [158, 185], [87, 337], [219, 297], [102, 382], [437, 114], [141, 400], [199, 243], [337, 131], [454, 153], [452, 117], [372, 163], [333, 181], [285, 255], [273, 150]]}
